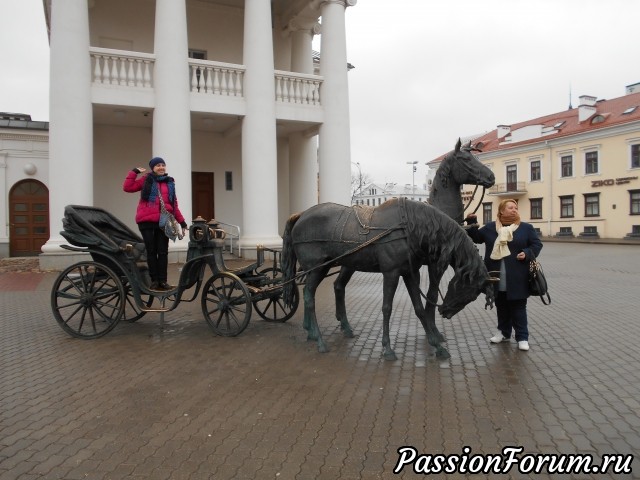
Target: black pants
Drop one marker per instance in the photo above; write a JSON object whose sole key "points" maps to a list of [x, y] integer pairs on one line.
{"points": [[512, 314], [157, 245]]}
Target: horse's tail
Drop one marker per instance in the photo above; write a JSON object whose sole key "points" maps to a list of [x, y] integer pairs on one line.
{"points": [[289, 260]]}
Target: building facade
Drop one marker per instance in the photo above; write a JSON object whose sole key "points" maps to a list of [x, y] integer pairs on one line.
{"points": [[575, 173], [24, 176], [223, 90]]}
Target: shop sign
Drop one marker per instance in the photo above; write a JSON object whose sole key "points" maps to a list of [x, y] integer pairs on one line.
{"points": [[611, 181]]}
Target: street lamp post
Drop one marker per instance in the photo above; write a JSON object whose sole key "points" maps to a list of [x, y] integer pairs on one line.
{"points": [[413, 177]]}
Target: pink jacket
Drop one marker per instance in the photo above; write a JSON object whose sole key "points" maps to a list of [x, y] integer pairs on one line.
{"points": [[150, 211]]}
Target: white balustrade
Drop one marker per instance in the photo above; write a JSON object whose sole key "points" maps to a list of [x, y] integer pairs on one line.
{"points": [[216, 78], [119, 67], [135, 69], [298, 88]]}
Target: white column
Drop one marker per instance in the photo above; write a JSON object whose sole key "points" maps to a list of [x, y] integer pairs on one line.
{"points": [[335, 149], [172, 114], [70, 115], [303, 148], [259, 148]]}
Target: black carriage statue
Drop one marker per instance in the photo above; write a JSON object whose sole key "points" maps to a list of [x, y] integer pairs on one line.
{"points": [[90, 297]]}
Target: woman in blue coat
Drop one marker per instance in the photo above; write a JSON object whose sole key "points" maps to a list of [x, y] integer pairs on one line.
{"points": [[510, 245]]}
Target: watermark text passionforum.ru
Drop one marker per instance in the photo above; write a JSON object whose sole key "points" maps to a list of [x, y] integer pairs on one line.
{"points": [[511, 459]]}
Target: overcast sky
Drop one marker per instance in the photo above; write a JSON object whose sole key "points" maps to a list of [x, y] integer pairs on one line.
{"points": [[426, 72]]}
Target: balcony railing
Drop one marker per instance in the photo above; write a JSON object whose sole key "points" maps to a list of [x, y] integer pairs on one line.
{"points": [[119, 67], [510, 188], [216, 78], [135, 69], [298, 88]]}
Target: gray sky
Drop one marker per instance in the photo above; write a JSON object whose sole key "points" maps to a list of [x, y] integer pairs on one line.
{"points": [[426, 72]]}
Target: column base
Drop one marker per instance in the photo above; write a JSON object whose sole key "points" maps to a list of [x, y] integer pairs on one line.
{"points": [[248, 245]]}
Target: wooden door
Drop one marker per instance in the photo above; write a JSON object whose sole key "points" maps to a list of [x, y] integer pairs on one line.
{"points": [[202, 195], [28, 218]]}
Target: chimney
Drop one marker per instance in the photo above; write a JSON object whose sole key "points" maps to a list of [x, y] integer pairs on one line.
{"points": [[503, 130], [587, 107]]}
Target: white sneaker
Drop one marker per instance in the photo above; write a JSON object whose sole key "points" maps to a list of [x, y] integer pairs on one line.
{"points": [[523, 345], [498, 337]]}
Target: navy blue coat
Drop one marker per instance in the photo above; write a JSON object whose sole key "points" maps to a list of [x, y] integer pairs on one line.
{"points": [[525, 239]]}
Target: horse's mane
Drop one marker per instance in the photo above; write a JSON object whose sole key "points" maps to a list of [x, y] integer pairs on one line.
{"points": [[443, 171], [445, 241]]}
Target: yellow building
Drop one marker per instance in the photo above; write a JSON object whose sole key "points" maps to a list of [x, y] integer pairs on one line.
{"points": [[575, 173]]}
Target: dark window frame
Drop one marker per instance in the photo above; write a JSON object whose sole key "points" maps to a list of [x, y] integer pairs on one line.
{"points": [[535, 171], [591, 163], [535, 208], [634, 202], [567, 210], [591, 204], [566, 166]]}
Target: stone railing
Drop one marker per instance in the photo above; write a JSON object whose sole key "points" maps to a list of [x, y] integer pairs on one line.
{"points": [[216, 78], [119, 67], [297, 88], [135, 69]]}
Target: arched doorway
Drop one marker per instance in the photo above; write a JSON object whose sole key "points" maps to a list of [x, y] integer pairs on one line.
{"points": [[28, 218]]}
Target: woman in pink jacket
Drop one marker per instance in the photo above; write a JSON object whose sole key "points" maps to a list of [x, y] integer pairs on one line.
{"points": [[151, 186]]}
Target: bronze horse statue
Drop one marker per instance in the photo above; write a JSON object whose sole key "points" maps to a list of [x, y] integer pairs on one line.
{"points": [[396, 238], [459, 167]]}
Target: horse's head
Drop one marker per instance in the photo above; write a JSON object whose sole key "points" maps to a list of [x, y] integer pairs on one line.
{"points": [[465, 168], [470, 279], [460, 294]]}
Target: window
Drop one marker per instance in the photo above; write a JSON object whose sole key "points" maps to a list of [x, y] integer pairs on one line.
{"points": [[536, 208], [512, 178], [591, 162], [566, 206], [635, 156], [566, 163], [487, 214], [228, 181], [634, 197], [535, 170], [590, 231], [566, 231], [591, 204]]}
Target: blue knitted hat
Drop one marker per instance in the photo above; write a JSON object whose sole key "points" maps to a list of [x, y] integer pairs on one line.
{"points": [[155, 161]]}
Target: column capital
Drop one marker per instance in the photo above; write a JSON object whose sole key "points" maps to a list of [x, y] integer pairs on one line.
{"points": [[301, 25]]}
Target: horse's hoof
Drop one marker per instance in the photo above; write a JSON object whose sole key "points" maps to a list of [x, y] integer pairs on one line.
{"points": [[348, 333], [311, 338], [391, 355], [441, 338], [442, 353], [322, 349]]}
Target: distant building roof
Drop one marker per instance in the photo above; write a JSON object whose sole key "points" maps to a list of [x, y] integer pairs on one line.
{"points": [[21, 120], [590, 115]]}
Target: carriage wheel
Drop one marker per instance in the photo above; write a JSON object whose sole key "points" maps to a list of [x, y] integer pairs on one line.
{"points": [[272, 308], [131, 311], [87, 300], [226, 304]]}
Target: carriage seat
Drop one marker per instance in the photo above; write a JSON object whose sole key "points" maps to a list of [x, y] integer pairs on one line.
{"points": [[95, 228]]}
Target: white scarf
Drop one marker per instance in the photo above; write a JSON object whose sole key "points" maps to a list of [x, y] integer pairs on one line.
{"points": [[505, 234]]}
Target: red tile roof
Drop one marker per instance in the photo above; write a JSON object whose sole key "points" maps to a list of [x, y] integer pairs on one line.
{"points": [[612, 111]]}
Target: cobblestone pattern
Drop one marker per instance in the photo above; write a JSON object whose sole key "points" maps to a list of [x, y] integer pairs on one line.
{"points": [[170, 400]]}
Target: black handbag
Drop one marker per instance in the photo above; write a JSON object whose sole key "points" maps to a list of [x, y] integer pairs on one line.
{"points": [[538, 282]]}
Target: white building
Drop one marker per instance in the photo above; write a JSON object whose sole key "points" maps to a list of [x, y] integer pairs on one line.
{"points": [[223, 90], [24, 175], [376, 194]]}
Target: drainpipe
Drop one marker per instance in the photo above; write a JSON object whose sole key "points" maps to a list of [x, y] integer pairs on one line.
{"points": [[550, 186]]}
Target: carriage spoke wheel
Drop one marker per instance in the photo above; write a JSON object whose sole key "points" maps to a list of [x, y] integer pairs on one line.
{"points": [[131, 311], [226, 304], [87, 300], [273, 308]]}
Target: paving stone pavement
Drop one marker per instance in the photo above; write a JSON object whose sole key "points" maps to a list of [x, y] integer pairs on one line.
{"points": [[170, 400]]}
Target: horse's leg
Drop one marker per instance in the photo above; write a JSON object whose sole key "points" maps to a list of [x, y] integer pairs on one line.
{"points": [[412, 282], [339, 290], [309, 295], [432, 299], [390, 284]]}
